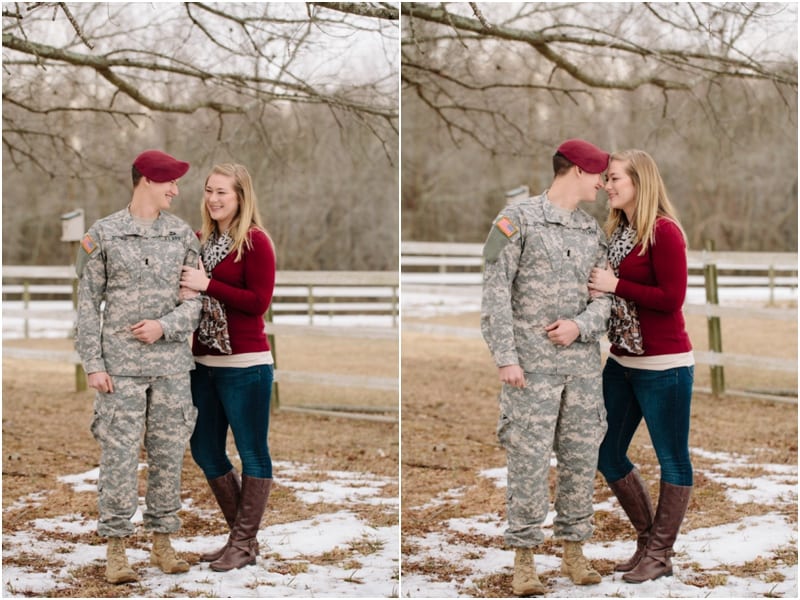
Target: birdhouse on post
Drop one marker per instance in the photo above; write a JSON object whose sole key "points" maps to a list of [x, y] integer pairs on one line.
{"points": [[517, 194], [72, 229], [72, 226]]}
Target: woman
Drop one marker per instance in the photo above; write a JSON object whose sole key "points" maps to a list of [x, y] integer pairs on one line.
{"points": [[650, 370], [232, 381]]}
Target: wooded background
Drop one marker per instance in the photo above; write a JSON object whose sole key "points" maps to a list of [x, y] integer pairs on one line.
{"points": [[304, 95], [708, 89]]}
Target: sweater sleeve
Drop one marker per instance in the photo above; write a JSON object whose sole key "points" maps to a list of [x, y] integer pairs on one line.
{"points": [[259, 279], [669, 269]]}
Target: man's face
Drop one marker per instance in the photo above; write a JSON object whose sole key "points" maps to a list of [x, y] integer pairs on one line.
{"points": [[591, 183], [162, 193]]}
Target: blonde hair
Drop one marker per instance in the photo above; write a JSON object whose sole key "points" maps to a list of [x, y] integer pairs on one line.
{"points": [[652, 201], [246, 218]]}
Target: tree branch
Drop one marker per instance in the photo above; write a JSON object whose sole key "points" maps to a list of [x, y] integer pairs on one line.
{"points": [[377, 10]]}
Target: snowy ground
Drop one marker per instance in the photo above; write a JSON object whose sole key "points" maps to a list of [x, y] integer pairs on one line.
{"points": [[703, 556], [288, 567]]}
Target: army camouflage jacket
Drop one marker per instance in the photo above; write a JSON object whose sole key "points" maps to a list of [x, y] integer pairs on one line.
{"points": [[128, 274], [537, 263]]}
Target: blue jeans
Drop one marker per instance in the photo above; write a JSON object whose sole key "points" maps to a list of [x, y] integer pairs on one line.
{"points": [[663, 398], [238, 397]]}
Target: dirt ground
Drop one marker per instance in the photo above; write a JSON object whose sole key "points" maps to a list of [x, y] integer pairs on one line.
{"points": [[449, 399], [46, 435], [449, 413]]}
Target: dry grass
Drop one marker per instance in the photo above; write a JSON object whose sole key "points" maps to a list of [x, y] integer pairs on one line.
{"points": [[46, 435], [449, 400]]}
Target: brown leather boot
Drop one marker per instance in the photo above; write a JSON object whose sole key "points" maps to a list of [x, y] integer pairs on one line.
{"points": [[243, 546], [673, 501], [631, 491], [227, 490]]}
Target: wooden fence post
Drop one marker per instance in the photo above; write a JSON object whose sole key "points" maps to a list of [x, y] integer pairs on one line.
{"points": [[275, 402], [26, 300], [395, 305], [771, 285], [81, 383], [310, 305], [714, 328]]}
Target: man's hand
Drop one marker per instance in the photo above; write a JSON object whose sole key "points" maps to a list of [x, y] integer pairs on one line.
{"points": [[563, 332], [186, 293], [513, 375], [100, 381], [147, 331]]}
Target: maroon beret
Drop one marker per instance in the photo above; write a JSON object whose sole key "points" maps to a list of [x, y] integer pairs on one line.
{"points": [[159, 166], [587, 156]]}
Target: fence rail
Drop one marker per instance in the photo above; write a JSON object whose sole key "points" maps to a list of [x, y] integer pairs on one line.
{"points": [[309, 293], [736, 269], [454, 269]]}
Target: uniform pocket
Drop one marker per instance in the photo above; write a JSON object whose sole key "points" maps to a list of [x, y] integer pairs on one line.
{"points": [[122, 261], [189, 418], [168, 260], [102, 419]]}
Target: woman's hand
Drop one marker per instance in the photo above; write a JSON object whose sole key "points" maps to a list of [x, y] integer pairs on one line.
{"points": [[194, 279], [603, 280]]}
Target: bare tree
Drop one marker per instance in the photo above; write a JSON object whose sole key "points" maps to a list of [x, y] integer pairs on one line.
{"points": [[135, 60], [708, 89], [570, 53], [305, 95]]}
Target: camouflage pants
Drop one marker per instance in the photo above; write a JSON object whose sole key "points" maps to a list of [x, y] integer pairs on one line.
{"points": [[564, 414], [160, 408]]}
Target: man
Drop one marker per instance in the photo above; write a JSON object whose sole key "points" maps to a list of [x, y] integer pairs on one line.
{"points": [[132, 337], [543, 331]]}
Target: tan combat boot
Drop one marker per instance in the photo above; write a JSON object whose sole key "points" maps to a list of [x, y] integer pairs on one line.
{"points": [[526, 582], [163, 556], [117, 568], [575, 566]]}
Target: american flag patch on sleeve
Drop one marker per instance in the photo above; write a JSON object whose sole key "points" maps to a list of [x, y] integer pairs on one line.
{"points": [[88, 244], [505, 225]]}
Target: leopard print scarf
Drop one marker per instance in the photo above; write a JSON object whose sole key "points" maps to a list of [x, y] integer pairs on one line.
{"points": [[213, 328], [624, 330]]}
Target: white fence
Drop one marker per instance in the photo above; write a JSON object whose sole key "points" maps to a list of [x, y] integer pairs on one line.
{"points": [[423, 263], [453, 271], [351, 304]]}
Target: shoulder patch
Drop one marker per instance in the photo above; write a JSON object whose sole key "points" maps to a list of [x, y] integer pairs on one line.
{"points": [[88, 244], [502, 233], [506, 227]]}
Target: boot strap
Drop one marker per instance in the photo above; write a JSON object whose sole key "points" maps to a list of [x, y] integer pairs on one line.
{"points": [[662, 556]]}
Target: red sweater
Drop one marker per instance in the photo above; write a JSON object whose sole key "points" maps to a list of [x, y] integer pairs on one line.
{"points": [[245, 289], [656, 282]]}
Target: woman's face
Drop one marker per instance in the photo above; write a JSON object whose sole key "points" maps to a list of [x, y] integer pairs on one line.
{"points": [[620, 188], [221, 201]]}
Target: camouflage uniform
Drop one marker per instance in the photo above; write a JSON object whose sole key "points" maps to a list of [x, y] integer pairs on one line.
{"points": [[135, 272], [537, 265]]}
